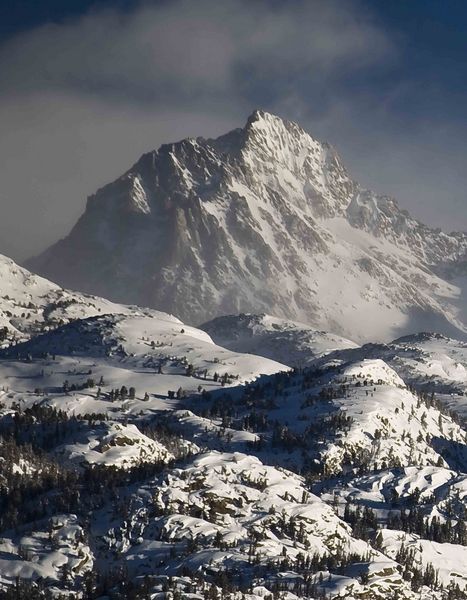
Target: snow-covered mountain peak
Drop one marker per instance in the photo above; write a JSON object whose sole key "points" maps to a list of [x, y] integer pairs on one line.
{"points": [[264, 219], [266, 126], [288, 159]]}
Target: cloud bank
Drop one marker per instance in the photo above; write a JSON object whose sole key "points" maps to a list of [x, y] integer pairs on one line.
{"points": [[82, 99]]}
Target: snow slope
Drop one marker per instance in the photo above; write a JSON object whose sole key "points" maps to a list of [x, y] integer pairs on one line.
{"points": [[30, 304], [429, 361], [76, 366], [288, 342], [217, 514], [450, 559]]}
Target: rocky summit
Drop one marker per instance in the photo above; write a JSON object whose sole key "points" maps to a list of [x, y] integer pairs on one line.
{"points": [[263, 219]]}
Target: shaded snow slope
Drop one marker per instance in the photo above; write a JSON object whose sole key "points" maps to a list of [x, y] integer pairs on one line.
{"points": [[294, 344]]}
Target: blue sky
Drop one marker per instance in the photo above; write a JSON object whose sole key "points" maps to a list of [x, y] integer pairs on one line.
{"points": [[433, 33], [20, 15], [88, 86]]}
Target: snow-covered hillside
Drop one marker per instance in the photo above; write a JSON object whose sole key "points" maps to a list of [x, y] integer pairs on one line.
{"points": [[429, 361], [82, 367], [219, 522], [420, 511], [243, 517], [288, 342], [333, 421], [263, 219], [111, 481], [30, 304], [115, 445]]}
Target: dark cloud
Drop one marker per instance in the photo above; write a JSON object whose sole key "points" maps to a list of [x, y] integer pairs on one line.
{"points": [[81, 100], [189, 50]]}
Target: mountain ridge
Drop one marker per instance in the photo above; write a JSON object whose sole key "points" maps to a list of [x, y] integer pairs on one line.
{"points": [[262, 219]]}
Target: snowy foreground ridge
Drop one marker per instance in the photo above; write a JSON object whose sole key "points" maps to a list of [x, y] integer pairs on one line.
{"points": [[254, 458], [263, 219]]}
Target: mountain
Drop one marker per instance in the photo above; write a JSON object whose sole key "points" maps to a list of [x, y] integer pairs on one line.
{"points": [[256, 457], [263, 219]]}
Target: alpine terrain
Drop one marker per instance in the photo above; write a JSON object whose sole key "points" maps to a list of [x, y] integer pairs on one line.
{"points": [[253, 459], [270, 405], [263, 219]]}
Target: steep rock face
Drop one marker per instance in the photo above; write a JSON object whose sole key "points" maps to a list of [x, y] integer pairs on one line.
{"points": [[262, 219]]}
